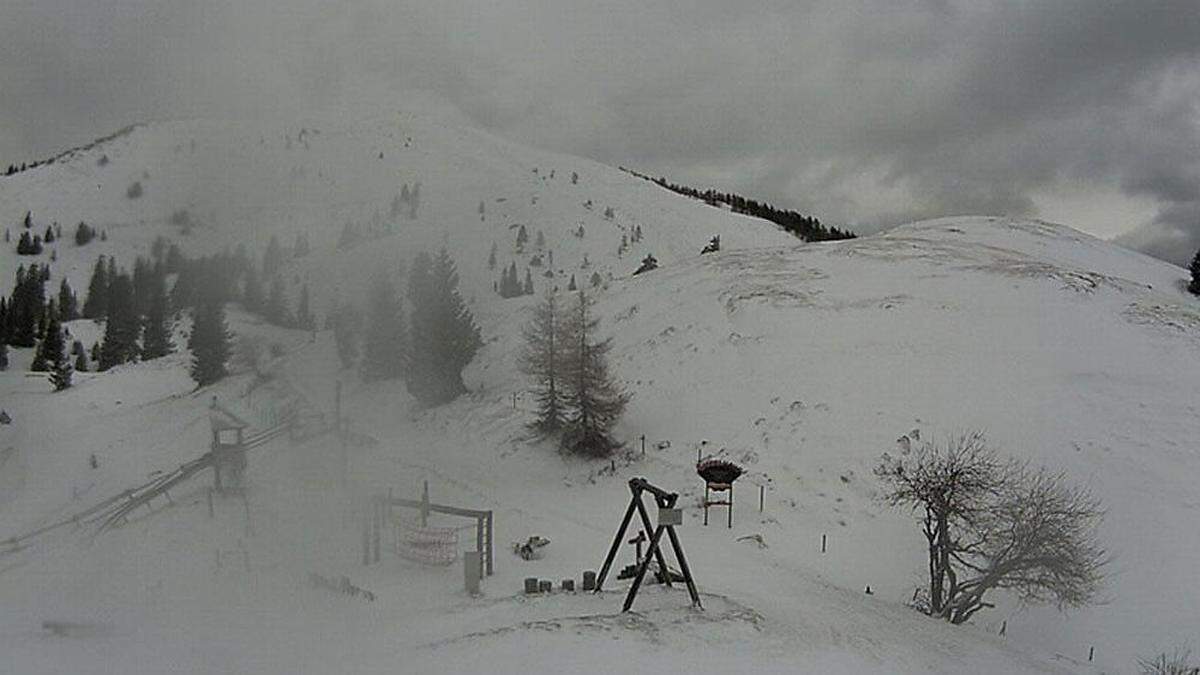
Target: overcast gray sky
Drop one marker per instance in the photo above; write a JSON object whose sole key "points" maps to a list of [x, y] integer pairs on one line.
{"points": [[867, 114]]}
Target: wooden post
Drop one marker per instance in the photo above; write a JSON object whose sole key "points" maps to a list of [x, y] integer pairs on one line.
{"points": [[479, 542], [378, 527], [337, 406], [366, 540], [425, 505], [246, 506], [490, 544]]}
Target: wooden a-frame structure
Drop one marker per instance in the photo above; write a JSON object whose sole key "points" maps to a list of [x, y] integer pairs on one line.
{"points": [[668, 518]]}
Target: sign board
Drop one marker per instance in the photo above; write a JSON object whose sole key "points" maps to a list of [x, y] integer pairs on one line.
{"points": [[670, 516]]}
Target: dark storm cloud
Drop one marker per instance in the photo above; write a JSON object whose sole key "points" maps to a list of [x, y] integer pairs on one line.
{"points": [[866, 113]]}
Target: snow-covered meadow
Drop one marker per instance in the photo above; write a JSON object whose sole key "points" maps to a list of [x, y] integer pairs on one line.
{"points": [[802, 362]]}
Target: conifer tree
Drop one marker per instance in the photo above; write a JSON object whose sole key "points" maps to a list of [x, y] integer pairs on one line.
{"points": [[27, 307], [571, 286], [61, 371], [347, 329], [67, 302], [542, 360], [252, 290], [3, 320], [301, 248], [3, 356], [81, 363], [272, 258], [385, 344], [276, 310], [595, 400], [143, 285], [209, 342], [123, 326], [304, 317], [156, 328], [49, 236], [528, 288], [1194, 287], [51, 350], [522, 239], [96, 305], [444, 337]]}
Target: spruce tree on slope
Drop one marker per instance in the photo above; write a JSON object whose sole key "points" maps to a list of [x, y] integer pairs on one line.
{"points": [[347, 328], [27, 307], [56, 354], [304, 316], [276, 310], [1194, 287], [542, 360], [595, 400], [50, 349], [385, 346], [252, 290], [68, 303], [121, 331], [156, 328], [3, 356], [272, 258], [96, 305], [444, 336], [209, 343]]}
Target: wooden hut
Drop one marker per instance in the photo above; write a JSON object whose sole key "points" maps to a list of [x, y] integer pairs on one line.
{"points": [[228, 448]]}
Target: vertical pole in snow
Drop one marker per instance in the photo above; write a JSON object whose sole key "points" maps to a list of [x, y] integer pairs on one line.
{"points": [[425, 505], [1091, 653], [375, 532], [337, 406], [479, 542], [761, 489], [366, 540], [822, 543], [643, 445], [490, 543]]}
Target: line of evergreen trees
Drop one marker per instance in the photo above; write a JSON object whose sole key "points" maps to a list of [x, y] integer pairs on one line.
{"points": [[428, 351], [576, 397], [29, 319], [808, 228]]}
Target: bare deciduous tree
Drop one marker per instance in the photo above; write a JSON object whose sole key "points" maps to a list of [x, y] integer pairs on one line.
{"points": [[543, 360], [1175, 663], [993, 523]]}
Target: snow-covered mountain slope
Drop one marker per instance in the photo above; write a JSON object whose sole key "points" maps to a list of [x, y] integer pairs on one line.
{"points": [[803, 361]]}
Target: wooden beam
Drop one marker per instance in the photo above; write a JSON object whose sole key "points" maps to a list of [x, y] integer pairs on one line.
{"points": [[612, 551]]}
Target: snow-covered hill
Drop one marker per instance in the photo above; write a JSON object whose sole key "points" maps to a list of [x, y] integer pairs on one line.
{"points": [[803, 361]]}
